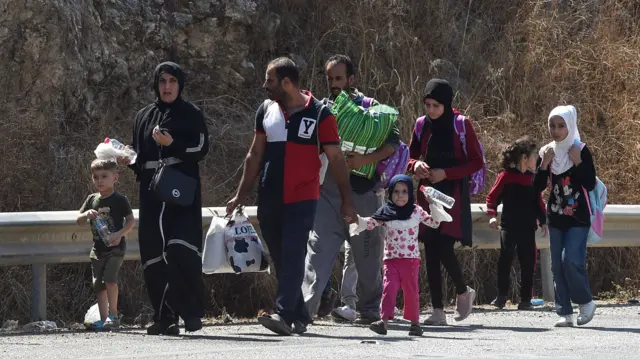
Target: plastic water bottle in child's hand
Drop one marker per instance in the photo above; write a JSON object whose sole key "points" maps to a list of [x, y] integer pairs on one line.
{"points": [[438, 197], [103, 231], [112, 149]]}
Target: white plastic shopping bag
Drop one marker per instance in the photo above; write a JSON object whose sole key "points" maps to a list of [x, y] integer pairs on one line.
{"points": [[245, 253], [214, 254], [439, 213], [92, 315], [111, 149], [358, 227]]}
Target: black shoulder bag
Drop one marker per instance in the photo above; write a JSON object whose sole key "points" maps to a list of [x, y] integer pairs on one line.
{"points": [[171, 185]]}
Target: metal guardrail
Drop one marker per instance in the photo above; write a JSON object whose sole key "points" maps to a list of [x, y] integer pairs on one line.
{"points": [[41, 238]]}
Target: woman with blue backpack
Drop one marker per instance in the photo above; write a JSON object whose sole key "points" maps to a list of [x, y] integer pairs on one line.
{"points": [[567, 164], [446, 155]]}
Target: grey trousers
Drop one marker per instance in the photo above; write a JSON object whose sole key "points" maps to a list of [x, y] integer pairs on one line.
{"points": [[364, 252]]}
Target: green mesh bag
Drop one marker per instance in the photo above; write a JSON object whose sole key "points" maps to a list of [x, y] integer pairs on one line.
{"points": [[362, 131]]}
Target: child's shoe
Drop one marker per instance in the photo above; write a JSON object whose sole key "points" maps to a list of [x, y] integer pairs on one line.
{"points": [[112, 322], [415, 330], [98, 326], [378, 327]]}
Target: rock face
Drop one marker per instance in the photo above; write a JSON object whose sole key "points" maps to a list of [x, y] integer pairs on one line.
{"points": [[74, 71]]}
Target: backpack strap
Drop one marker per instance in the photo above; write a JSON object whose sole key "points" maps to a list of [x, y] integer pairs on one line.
{"points": [[586, 197], [461, 130], [419, 128], [367, 102]]}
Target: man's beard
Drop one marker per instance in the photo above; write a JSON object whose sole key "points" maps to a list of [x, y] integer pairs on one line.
{"points": [[335, 91], [276, 95]]}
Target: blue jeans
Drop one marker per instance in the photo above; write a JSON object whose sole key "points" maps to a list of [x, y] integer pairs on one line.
{"points": [[568, 264]]}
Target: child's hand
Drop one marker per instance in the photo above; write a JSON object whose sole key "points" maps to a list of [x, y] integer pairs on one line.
{"points": [[91, 214], [544, 229], [547, 157], [493, 223]]}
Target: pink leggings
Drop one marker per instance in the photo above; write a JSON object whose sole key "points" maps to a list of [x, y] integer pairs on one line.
{"points": [[401, 272]]}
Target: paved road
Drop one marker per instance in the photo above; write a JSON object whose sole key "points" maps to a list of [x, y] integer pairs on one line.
{"points": [[614, 333]]}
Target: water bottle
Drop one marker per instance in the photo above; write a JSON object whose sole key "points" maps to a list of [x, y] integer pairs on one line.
{"points": [[103, 230], [437, 196], [119, 146], [537, 302]]}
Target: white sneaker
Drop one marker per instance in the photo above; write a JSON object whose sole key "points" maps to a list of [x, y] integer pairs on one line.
{"points": [[436, 318], [464, 304], [565, 321], [587, 311], [344, 313]]}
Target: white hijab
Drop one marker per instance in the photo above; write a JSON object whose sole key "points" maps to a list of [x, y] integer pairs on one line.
{"points": [[561, 160]]}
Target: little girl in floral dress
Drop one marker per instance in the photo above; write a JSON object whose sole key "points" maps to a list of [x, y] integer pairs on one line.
{"points": [[401, 219]]}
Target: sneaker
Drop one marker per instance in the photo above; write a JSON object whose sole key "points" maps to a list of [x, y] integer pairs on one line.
{"points": [[327, 304], [164, 327], [98, 326], [415, 330], [276, 324], [587, 311], [525, 305], [192, 324], [499, 302], [464, 304], [299, 327], [112, 322], [378, 327], [436, 318], [565, 321], [345, 313]]}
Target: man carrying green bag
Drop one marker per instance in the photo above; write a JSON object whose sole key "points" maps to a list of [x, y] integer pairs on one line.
{"points": [[367, 137]]}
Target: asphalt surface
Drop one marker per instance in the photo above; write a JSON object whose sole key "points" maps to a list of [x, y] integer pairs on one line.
{"points": [[487, 333]]}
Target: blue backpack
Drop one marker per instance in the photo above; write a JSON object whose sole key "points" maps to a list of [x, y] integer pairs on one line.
{"points": [[596, 201]]}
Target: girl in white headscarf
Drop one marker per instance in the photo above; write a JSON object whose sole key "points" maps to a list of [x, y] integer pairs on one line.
{"points": [[568, 164]]}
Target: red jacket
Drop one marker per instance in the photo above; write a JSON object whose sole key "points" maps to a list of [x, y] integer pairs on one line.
{"points": [[460, 227]]}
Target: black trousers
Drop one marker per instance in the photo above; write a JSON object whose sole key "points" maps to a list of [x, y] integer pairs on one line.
{"points": [[170, 240], [439, 249], [523, 243], [285, 229]]}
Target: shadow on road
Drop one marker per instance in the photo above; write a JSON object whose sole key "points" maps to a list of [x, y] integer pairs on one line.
{"points": [[200, 337], [615, 330]]}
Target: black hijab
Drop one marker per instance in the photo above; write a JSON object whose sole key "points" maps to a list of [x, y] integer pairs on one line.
{"points": [[390, 211], [172, 69], [440, 149]]}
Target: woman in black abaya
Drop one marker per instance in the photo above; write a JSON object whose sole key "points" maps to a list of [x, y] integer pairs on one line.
{"points": [[170, 235]]}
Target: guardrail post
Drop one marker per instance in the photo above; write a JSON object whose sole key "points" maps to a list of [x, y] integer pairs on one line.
{"points": [[39, 297], [548, 290]]}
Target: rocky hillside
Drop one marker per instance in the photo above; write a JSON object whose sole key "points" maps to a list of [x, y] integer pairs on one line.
{"points": [[75, 72]]}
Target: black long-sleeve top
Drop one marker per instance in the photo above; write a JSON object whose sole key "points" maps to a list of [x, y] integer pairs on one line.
{"points": [[185, 123], [522, 205], [567, 206]]}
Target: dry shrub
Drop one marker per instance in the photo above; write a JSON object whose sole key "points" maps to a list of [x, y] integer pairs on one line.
{"points": [[511, 62]]}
